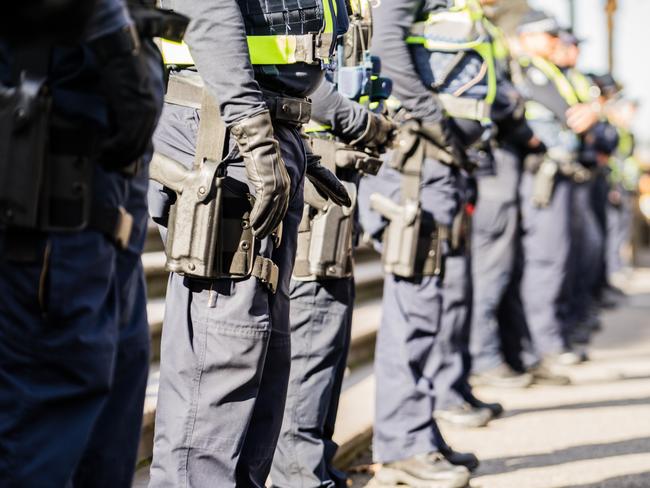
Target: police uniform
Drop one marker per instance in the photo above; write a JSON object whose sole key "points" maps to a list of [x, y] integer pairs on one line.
{"points": [[495, 237], [63, 314], [225, 350], [588, 229], [322, 287], [546, 194], [418, 310], [624, 173]]}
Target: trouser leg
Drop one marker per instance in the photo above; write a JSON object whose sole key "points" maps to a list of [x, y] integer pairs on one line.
{"points": [[492, 270], [451, 350], [518, 349], [110, 457], [494, 232], [321, 313], [58, 336], [411, 312], [225, 351], [546, 251], [404, 400]]}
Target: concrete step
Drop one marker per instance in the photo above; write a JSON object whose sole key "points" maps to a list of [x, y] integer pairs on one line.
{"points": [[369, 282], [364, 328], [154, 268], [353, 424]]}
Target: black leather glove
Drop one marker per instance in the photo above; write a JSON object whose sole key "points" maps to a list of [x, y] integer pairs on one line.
{"points": [[132, 107], [441, 135], [326, 182], [378, 135], [265, 170]]}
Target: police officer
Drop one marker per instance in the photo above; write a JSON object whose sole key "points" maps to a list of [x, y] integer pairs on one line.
{"points": [[558, 118], [225, 347], [349, 137], [421, 187], [623, 177], [61, 304], [588, 207], [495, 232]]}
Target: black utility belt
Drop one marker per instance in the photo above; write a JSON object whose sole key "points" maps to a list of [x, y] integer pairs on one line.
{"points": [[22, 244]]}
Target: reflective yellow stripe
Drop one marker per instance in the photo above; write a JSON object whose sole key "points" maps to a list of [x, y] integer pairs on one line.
{"points": [[582, 85], [262, 49], [329, 16], [176, 53], [560, 81], [313, 127], [272, 49]]}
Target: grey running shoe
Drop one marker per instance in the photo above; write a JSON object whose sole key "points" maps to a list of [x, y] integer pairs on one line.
{"points": [[569, 358], [544, 374], [422, 471], [465, 416], [503, 376]]}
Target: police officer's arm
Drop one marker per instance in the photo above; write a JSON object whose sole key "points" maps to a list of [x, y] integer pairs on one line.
{"points": [[346, 118], [508, 113], [125, 83], [216, 37], [350, 121], [392, 20]]}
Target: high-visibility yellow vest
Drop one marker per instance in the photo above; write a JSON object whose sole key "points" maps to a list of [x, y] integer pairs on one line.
{"points": [[535, 110], [586, 91], [459, 28], [279, 49]]}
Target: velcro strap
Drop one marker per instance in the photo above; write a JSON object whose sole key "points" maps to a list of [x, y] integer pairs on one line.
{"points": [[464, 108], [115, 223], [267, 272], [185, 88]]}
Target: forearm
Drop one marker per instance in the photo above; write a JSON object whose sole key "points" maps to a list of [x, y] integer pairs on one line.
{"points": [[216, 37], [347, 119], [392, 23]]}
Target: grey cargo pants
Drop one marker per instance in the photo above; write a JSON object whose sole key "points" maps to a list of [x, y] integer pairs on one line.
{"points": [[224, 365]]}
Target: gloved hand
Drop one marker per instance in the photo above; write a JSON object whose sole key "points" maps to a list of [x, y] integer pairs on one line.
{"points": [[132, 106], [442, 136], [326, 182], [265, 170], [378, 135]]}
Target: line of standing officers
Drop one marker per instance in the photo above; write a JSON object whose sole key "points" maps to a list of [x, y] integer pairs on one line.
{"points": [[291, 131]]}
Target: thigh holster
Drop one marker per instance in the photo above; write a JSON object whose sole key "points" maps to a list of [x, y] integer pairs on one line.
{"points": [[326, 232], [209, 234], [411, 247], [46, 165]]}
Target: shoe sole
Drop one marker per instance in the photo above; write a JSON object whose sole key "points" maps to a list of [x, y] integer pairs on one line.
{"points": [[505, 384], [395, 478], [549, 382], [465, 424]]}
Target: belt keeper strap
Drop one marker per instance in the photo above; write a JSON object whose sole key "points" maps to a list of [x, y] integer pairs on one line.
{"points": [[267, 272]]}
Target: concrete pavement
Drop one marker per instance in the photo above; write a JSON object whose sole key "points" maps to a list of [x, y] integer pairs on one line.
{"points": [[594, 433]]}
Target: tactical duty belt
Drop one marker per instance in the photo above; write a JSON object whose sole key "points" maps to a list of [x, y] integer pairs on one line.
{"points": [[209, 233]]}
